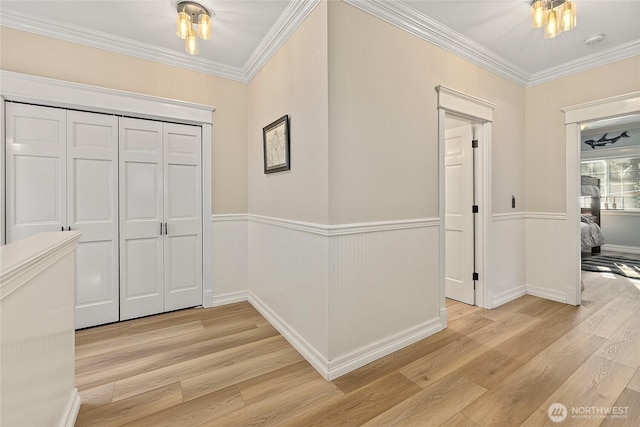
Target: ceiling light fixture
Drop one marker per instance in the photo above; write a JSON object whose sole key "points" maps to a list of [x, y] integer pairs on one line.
{"points": [[190, 14], [555, 16]]}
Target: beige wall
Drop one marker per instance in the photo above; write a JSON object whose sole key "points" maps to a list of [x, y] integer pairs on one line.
{"points": [[293, 82], [383, 121], [47, 57], [545, 132]]}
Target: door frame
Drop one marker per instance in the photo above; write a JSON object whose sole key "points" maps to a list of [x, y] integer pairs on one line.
{"points": [[58, 93], [628, 103], [480, 114]]}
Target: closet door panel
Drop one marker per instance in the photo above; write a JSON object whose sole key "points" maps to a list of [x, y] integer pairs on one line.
{"points": [[92, 208], [35, 170], [182, 208], [141, 218]]}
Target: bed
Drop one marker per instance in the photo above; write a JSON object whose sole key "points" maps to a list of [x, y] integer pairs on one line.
{"points": [[591, 237]]}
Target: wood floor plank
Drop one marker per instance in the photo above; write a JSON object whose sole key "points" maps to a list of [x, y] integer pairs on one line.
{"points": [[634, 383], [469, 323], [505, 358], [432, 406], [282, 408], [628, 413], [456, 309], [459, 420], [541, 308], [388, 364], [361, 405], [606, 321], [453, 356], [275, 382], [597, 383], [238, 371], [224, 376], [623, 347], [194, 412], [117, 413], [182, 371], [113, 344], [97, 396], [512, 400], [132, 363]]}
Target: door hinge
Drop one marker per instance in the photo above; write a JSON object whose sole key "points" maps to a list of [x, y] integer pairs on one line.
{"points": [[475, 276], [474, 209], [474, 143]]}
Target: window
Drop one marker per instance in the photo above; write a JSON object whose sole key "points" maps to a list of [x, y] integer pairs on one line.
{"points": [[619, 181]]}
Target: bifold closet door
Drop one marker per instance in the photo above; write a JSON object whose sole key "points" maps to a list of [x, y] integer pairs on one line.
{"points": [[62, 172], [36, 146], [92, 208], [141, 218], [183, 219], [160, 220]]}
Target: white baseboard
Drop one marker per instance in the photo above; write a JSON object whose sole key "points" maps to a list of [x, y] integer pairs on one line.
{"points": [[331, 370], [317, 360], [207, 298], [372, 352], [510, 295], [230, 298], [68, 419], [549, 294], [620, 248]]}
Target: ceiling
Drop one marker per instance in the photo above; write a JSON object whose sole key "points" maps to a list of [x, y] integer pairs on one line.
{"points": [[493, 34]]}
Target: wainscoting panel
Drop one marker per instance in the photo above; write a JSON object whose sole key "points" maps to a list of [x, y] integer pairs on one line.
{"points": [[381, 285], [230, 258], [288, 274], [37, 337], [507, 258], [546, 252]]}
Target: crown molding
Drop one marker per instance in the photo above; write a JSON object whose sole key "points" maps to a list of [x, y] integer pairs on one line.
{"points": [[290, 19], [391, 11], [426, 28], [294, 14], [618, 53], [85, 36]]}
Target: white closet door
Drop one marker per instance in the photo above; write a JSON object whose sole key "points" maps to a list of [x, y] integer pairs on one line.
{"points": [[141, 205], [35, 159], [182, 210], [92, 208]]}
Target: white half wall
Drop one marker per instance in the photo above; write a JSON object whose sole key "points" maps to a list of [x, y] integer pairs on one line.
{"points": [[343, 295], [507, 260], [230, 270], [288, 274], [384, 293], [546, 256], [37, 331]]}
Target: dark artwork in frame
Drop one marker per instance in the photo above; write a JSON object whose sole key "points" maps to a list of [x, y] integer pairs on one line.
{"points": [[275, 140]]}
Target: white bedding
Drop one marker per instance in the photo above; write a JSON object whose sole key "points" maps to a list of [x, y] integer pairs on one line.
{"points": [[590, 234]]}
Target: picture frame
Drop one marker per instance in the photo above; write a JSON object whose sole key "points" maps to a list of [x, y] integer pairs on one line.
{"points": [[276, 146]]}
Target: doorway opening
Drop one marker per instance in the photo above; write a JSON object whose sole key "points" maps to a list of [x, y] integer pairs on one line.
{"points": [[609, 207], [575, 116]]}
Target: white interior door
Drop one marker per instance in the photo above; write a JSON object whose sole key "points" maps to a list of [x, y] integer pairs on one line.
{"points": [[92, 208], [35, 167], [459, 284], [182, 215], [141, 218]]}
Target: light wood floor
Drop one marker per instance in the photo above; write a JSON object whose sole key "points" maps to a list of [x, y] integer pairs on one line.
{"points": [[228, 367]]}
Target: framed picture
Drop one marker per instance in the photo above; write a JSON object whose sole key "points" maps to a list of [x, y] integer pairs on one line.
{"points": [[275, 140]]}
